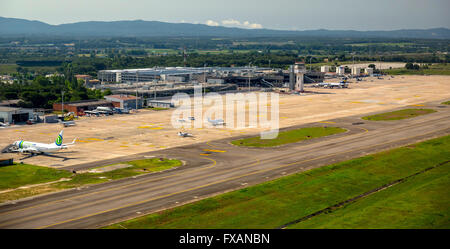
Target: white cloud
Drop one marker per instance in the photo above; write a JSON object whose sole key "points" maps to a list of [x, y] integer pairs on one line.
{"points": [[231, 22], [212, 23], [238, 24]]}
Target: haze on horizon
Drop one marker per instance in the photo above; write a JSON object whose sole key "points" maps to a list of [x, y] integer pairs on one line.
{"points": [[281, 14]]}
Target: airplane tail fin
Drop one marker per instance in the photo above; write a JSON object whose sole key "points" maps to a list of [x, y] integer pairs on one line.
{"points": [[59, 139]]}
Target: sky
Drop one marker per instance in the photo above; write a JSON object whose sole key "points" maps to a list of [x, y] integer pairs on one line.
{"points": [[270, 14]]}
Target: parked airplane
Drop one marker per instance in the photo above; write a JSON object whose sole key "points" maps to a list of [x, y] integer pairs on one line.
{"points": [[39, 148], [68, 123], [184, 134], [215, 122], [331, 85], [90, 113]]}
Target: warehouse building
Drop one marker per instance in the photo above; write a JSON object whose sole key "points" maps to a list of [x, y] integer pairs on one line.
{"points": [[14, 115], [124, 101], [78, 107]]}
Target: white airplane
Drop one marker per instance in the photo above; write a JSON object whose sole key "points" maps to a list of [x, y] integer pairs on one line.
{"points": [[215, 122], [39, 148], [68, 123], [184, 134], [331, 85]]}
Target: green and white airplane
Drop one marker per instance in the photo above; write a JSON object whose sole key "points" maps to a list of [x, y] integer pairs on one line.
{"points": [[39, 148]]}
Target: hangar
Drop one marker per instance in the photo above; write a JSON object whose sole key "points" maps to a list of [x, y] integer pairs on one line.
{"points": [[14, 114]]}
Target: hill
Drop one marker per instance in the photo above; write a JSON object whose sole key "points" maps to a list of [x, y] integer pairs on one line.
{"points": [[140, 28]]}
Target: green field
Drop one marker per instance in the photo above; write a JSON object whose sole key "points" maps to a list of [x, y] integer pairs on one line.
{"points": [[23, 174], [17, 175], [157, 108], [435, 69], [12, 68], [286, 137], [399, 44], [139, 167], [397, 115], [446, 103], [8, 68], [421, 201]]}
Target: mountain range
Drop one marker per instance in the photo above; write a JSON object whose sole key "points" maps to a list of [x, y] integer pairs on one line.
{"points": [[140, 28]]}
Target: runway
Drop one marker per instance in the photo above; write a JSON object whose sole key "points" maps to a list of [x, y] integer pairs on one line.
{"points": [[213, 168]]}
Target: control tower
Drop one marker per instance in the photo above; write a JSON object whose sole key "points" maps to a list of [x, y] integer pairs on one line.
{"points": [[299, 71]]}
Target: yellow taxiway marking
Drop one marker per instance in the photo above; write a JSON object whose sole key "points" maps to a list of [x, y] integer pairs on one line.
{"points": [[82, 141], [283, 117], [327, 122], [356, 102], [220, 181], [221, 151], [418, 105], [125, 146], [364, 129], [204, 154], [95, 139]]}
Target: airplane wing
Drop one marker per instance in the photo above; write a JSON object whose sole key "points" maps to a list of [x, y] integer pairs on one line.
{"points": [[29, 150]]}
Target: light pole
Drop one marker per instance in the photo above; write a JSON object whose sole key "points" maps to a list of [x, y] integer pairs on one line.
{"points": [[204, 79], [62, 104], [249, 65]]}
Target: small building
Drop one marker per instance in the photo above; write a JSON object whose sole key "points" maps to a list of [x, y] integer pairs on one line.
{"points": [[51, 119], [215, 81], [368, 71], [124, 101], [340, 70], [356, 70], [14, 115], [161, 104], [324, 69], [84, 77], [78, 107], [92, 83]]}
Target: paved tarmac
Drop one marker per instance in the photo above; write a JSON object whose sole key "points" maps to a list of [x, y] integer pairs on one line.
{"points": [[222, 167]]}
